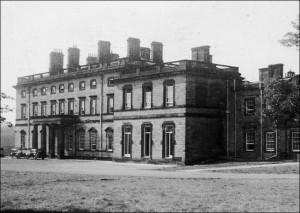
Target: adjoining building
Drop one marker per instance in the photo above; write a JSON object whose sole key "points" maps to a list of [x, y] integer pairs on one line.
{"points": [[139, 107]]}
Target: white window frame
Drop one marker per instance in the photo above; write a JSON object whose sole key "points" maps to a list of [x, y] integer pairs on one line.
{"points": [[128, 99], [296, 139], [110, 104], [53, 108], [249, 106], [250, 141], [170, 95], [82, 106], [61, 107], [43, 109], [270, 141], [35, 109], [127, 141], [148, 99], [147, 131], [169, 137], [71, 107]]}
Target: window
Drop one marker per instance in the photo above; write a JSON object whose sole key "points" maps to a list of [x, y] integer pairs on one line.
{"points": [[43, 91], [23, 111], [81, 139], [70, 142], [82, 85], [146, 144], [61, 107], [71, 87], [71, 106], [43, 108], [23, 138], [270, 141], [23, 94], [127, 97], [168, 141], [82, 106], [93, 138], [109, 139], [53, 89], [296, 141], [169, 93], [147, 96], [250, 136], [53, 107], [93, 84], [110, 104], [127, 141], [34, 92], [34, 109], [249, 107], [93, 105], [110, 81], [61, 88]]}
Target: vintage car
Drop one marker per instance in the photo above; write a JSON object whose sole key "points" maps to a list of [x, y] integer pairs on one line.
{"points": [[35, 154], [14, 152]]}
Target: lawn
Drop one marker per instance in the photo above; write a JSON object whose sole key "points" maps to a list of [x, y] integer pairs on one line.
{"points": [[36, 191]]}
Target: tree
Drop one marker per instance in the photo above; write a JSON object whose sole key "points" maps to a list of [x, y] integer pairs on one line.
{"points": [[282, 102], [5, 108], [292, 38]]}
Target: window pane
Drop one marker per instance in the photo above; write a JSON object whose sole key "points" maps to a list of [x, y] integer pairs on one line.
{"points": [[148, 99], [296, 141], [128, 100], [170, 95], [270, 141]]}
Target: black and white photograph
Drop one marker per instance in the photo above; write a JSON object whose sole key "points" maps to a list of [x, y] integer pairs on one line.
{"points": [[150, 106]]}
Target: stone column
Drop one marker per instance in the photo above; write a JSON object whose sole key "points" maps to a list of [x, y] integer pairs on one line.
{"points": [[61, 142], [43, 139], [35, 137], [52, 141]]}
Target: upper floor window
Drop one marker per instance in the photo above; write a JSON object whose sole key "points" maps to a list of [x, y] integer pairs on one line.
{"points": [[23, 94], [61, 107], [35, 109], [93, 84], [61, 88], [127, 97], [43, 108], [23, 111], [93, 105], [169, 88], [82, 85], [110, 104], [53, 107], [34, 92], [147, 96], [71, 87], [270, 141], [110, 81], [295, 141], [53, 89], [43, 91], [249, 107], [250, 139], [82, 106], [71, 106]]}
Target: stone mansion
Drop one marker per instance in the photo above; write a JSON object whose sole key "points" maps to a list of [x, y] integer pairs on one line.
{"points": [[142, 108]]}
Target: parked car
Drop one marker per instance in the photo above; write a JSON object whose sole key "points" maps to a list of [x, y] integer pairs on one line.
{"points": [[1, 152], [35, 154], [22, 154], [14, 152]]}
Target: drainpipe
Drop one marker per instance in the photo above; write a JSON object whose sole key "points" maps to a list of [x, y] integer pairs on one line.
{"points": [[261, 122], [227, 117], [234, 85], [101, 110], [29, 117], [276, 147]]}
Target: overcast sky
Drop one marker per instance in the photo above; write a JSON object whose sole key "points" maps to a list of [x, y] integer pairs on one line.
{"points": [[241, 33]]}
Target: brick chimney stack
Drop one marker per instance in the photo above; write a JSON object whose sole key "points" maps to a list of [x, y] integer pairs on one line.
{"points": [[73, 58], [157, 52], [56, 62], [91, 59], [133, 49], [201, 54], [104, 52]]}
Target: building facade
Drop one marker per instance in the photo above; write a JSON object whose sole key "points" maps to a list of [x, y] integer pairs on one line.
{"points": [[138, 107]]}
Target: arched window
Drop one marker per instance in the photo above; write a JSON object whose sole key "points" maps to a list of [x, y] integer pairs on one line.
{"points": [[109, 138], [23, 138], [93, 138]]}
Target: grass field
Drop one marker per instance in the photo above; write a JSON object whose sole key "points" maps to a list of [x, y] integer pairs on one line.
{"points": [[36, 191]]}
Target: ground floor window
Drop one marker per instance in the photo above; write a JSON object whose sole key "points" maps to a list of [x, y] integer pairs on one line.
{"points": [[127, 141], [93, 137], [146, 140], [70, 142], [168, 141], [250, 139], [81, 140], [270, 141], [23, 138], [296, 141], [109, 139]]}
